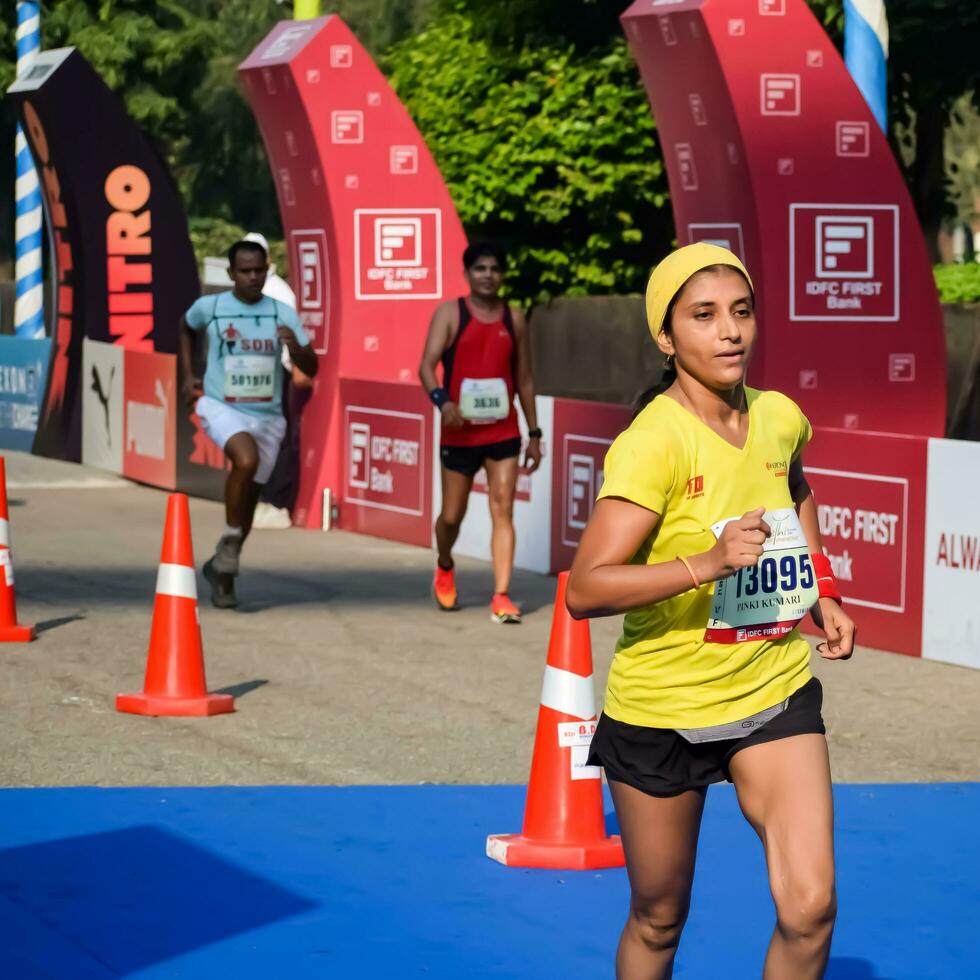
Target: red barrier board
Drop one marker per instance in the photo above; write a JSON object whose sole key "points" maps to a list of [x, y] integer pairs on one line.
{"points": [[387, 448], [772, 151], [149, 418], [374, 240], [870, 491], [583, 433]]}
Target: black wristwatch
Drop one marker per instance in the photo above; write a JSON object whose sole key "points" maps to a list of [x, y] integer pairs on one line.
{"points": [[534, 433]]}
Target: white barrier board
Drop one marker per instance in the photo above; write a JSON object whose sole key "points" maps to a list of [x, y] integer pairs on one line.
{"points": [[951, 607]]}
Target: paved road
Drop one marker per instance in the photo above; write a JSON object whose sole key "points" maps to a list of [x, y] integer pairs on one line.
{"points": [[343, 670]]}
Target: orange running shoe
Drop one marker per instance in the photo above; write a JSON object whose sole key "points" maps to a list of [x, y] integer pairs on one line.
{"points": [[502, 610], [444, 589]]}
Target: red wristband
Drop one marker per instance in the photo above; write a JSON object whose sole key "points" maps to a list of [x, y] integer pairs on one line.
{"points": [[826, 582]]}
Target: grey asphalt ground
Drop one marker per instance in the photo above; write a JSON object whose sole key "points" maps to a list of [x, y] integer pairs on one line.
{"points": [[343, 670]]}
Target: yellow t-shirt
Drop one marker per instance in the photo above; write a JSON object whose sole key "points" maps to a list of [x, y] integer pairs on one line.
{"points": [[665, 674]]}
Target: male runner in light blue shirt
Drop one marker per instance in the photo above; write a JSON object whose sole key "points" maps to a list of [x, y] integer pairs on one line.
{"points": [[240, 402]]}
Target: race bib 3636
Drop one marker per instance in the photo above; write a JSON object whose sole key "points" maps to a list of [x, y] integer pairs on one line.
{"points": [[484, 399]]}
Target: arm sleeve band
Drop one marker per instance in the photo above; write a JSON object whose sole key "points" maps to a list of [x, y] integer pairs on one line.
{"points": [[826, 582]]}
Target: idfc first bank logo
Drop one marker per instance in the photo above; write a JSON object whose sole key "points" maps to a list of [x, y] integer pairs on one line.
{"points": [[844, 262], [398, 253], [384, 459], [583, 458]]}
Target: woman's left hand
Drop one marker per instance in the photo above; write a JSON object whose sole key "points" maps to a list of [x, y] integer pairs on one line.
{"points": [[838, 627]]}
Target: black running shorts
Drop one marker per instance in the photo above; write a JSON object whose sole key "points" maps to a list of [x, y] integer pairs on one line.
{"points": [[660, 762], [469, 459]]}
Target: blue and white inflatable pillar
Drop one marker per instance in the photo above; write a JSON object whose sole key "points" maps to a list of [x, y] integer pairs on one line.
{"points": [[29, 302], [866, 53]]}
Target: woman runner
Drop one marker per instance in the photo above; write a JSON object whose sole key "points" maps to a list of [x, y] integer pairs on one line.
{"points": [[706, 536]]}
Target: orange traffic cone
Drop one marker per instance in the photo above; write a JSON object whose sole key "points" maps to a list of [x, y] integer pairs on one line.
{"points": [[10, 632], [563, 821], [175, 683]]}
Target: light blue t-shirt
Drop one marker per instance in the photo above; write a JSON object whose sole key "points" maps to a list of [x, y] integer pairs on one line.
{"points": [[244, 366]]}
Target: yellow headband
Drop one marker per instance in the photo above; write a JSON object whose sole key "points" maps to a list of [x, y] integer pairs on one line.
{"points": [[668, 277]]}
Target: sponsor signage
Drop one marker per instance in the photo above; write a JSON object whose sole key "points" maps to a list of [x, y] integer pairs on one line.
{"points": [[309, 261], [864, 527], [384, 467], [398, 253], [103, 379], [123, 261], [951, 613], [23, 371], [870, 495], [387, 461], [375, 243], [844, 262], [772, 151], [584, 432], [130, 416], [149, 418], [134, 423]]}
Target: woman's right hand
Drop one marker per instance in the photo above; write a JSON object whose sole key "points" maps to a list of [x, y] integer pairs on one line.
{"points": [[452, 417], [739, 544]]}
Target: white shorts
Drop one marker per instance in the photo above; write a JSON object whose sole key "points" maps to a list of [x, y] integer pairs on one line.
{"points": [[222, 421]]}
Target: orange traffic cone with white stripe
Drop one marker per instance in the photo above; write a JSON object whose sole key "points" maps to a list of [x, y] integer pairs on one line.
{"points": [[175, 683], [564, 825], [10, 632]]}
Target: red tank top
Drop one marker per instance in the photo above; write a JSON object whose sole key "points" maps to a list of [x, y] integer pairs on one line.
{"points": [[481, 351]]}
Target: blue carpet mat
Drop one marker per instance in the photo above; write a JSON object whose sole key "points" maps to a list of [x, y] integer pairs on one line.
{"points": [[365, 882]]}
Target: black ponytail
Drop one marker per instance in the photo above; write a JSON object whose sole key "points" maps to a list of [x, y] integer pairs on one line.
{"points": [[645, 397]]}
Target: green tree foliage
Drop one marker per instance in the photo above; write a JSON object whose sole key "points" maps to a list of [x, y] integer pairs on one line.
{"points": [[549, 151], [958, 283], [583, 24], [963, 158]]}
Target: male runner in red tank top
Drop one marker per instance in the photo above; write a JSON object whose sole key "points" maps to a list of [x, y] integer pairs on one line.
{"points": [[482, 345]]}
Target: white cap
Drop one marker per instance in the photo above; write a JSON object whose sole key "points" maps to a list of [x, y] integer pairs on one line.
{"points": [[254, 236]]}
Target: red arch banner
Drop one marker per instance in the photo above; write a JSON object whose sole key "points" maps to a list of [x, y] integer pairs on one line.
{"points": [[772, 150], [374, 244]]}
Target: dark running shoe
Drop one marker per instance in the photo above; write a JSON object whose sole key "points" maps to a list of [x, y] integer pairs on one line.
{"points": [[226, 554], [222, 587]]}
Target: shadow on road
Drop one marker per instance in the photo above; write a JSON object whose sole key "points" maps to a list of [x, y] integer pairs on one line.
{"points": [[264, 589], [240, 690], [51, 624]]}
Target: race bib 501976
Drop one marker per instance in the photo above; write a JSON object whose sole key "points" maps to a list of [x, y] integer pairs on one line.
{"points": [[766, 601], [250, 378]]}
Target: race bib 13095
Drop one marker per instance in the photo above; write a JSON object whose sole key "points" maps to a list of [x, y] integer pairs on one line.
{"points": [[767, 600]]}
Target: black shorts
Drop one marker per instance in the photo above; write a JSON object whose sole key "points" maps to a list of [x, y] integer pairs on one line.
{"points": [[468, 459], [660, 762]]}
